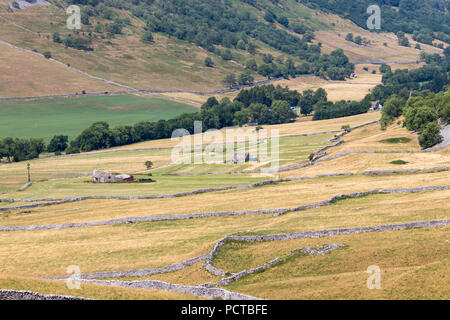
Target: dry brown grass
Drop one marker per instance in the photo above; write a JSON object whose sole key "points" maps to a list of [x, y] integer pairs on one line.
{"points": [[411, 267], [351, 89], [169, 64], [285, 195], [371, 138], [147, 245], [22, 74], [414, 262], [376, 51], [191, 276], [357, 163]]}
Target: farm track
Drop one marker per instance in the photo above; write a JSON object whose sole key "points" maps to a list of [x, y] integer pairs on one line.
{"points": [[129, 89], [133, 90]]}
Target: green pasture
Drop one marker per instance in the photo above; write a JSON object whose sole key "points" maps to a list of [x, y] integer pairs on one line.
{"points": [[70, 116]]}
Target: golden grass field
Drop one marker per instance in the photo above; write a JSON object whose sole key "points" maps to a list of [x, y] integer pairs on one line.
{"points": [[303, 125], [414, 263], [22, 75]]}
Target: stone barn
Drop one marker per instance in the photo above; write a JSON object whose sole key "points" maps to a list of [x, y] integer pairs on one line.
{"points": [[104, 177], [241, 157]]}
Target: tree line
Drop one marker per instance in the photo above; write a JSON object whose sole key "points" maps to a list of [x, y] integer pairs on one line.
{"points": [[340, 109], [420, 95], [21, 149], [422, 112], [417, 94], [219, 26], [258, 105], [273, 108], [434, 76]]}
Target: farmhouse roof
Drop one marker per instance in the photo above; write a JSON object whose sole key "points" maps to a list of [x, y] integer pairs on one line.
{"points": [[102, 174]]}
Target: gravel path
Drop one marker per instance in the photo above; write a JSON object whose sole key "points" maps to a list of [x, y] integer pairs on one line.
{"points": [[129, 89]]}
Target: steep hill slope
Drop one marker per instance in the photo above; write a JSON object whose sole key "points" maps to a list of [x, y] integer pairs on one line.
{"points": [[260, 37]]}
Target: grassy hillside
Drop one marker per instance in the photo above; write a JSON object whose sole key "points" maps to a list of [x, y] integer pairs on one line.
{"points": [[26, 74], [428, 19], [412, 261], [174, 60], [169, 63], [343, 182], [46, 118]]}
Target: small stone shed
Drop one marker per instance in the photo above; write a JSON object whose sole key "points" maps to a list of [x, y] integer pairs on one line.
{"points": [[241, 157], [106, 177]]}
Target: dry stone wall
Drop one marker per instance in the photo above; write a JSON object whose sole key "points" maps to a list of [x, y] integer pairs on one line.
{"points": [[28, 295], [275, 212], [209, 293]]}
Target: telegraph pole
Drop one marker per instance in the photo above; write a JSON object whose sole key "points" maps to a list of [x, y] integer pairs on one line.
{"points": [[29, 176]]}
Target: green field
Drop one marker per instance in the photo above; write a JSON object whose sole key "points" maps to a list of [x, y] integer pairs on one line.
{"points": [[45, 118]]}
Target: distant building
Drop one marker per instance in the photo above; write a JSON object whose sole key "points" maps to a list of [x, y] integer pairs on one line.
{"points": [[103, 177], [376, 106], [106, 177], [125, 177], [241, 157]]}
